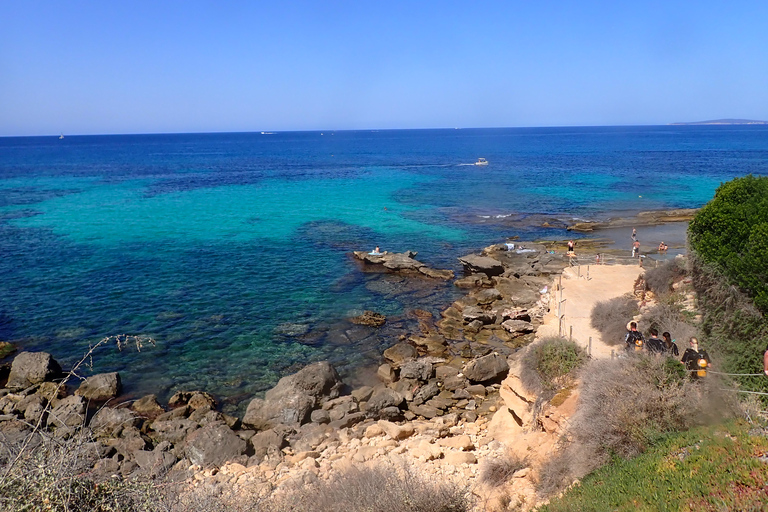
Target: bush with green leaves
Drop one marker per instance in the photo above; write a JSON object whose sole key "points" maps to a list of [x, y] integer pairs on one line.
{"points": [[731, 231], [550, 364]]}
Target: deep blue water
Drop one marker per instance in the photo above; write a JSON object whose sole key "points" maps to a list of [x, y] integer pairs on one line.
{"points": [[232, 250]]}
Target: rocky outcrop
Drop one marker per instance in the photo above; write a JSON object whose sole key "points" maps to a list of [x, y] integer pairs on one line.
{"points": [[475, 264], [369, 318], [403, 262]]}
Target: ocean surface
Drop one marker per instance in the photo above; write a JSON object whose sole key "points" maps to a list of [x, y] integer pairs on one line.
{"points": [[232, 251]]}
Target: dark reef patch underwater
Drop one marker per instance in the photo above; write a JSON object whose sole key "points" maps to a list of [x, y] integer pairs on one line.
{"points": [[232, 250]]}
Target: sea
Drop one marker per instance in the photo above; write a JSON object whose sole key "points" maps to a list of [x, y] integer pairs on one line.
{"points": [[232, 251]]}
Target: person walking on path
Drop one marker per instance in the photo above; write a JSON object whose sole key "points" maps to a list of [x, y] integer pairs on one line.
{"points": [[654, 343], [696, 361], [670, 347], [634, 339]]}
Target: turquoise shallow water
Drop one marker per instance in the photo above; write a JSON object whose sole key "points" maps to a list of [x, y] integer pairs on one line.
{"points": [[232, 250]]}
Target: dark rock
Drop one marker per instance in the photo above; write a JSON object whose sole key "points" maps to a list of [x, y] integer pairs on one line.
{"points": [[482, 369], [148, 407], [382, 398], [418, 369], [455, 382], [369, 318], [400, 353], [69, 412], [476, 390], [386, 373], [425, 392], [348, 420], [517, 327], [101, 387], [320, 416], [173, 414], [213, 445], [173, 431], [195, 400], [362, 394], [275, 438], [154, 463], [391, 414], [6, 349], [488, 296], [426, 411], [291, 401], [29, 368], [472, 313], [109, 422], [475, 264], [473, 327]]}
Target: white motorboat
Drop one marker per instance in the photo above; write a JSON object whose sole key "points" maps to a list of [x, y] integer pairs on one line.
{"points": [[481, 161]]}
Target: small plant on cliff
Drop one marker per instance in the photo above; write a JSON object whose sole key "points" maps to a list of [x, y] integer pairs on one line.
{"points": [[549, 365], [610, 318], [498, 471]]}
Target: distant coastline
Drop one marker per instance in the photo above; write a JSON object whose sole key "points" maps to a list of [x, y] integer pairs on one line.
{"points": [[722, 121]]}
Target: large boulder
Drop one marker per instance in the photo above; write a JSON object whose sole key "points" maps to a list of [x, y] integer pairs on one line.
{"points": [[101, 387], [31, 368], [213, 445], [382, 399], [490, 367], [475, 264], [400, 353], [294, 397]]}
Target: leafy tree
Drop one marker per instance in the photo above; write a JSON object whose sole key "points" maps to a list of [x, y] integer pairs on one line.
{"points": [[731, 231]]}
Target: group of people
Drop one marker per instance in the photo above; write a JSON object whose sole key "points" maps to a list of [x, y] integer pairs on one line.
{"points": [[695, 360], [636, 244]]}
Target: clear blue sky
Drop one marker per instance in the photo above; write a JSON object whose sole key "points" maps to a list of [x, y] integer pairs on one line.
{"points": [[189, 66]]}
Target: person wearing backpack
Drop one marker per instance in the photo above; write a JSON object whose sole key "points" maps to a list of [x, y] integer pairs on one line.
{"points": [[696, 361], [634, 341]]}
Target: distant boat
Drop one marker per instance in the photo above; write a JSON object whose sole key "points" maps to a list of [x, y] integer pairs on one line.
{"points": [[481, 161], [61, 136]]}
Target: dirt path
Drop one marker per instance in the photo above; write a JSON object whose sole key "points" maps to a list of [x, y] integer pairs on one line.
{"points": [[581, 294]]}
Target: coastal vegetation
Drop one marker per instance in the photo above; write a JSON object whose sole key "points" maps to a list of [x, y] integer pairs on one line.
{"points": [[551, 365], [729, 270]]}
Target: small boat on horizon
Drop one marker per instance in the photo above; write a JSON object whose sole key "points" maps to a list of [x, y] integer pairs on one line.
{"points": [[481, 161], [61, 136]]}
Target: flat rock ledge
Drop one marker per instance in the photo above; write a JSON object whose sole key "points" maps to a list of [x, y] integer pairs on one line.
{"points": [[404, 263]]}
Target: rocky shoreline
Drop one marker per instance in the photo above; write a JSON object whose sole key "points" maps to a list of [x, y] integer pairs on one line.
{"points": [[440, 392]]}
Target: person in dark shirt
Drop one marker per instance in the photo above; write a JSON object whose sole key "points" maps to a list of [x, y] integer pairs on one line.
{"points": [[696, 361], [634, 340], [670, 347], [654, 343]]}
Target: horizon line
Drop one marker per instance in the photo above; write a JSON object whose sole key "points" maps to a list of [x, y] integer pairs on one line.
{"points": [[332, 130]]}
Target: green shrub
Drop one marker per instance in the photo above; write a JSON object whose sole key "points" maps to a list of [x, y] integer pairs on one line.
{"points": [[550, 364], [610, 318], [731, 231]]}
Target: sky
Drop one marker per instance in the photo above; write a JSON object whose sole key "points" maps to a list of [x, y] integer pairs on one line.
{"points": [[96, 67]]}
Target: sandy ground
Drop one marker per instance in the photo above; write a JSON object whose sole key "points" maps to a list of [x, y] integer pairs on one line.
{"points": [[580, 295]]}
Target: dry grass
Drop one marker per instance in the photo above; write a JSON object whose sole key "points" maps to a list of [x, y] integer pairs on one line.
{"points": [[498, 471], [627, 404], [53, 475], [660, 279], [610, 318]]}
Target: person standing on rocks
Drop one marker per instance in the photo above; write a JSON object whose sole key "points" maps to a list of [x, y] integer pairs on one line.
{"points": [[634, 234], [571, 245], [636, 248]]}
